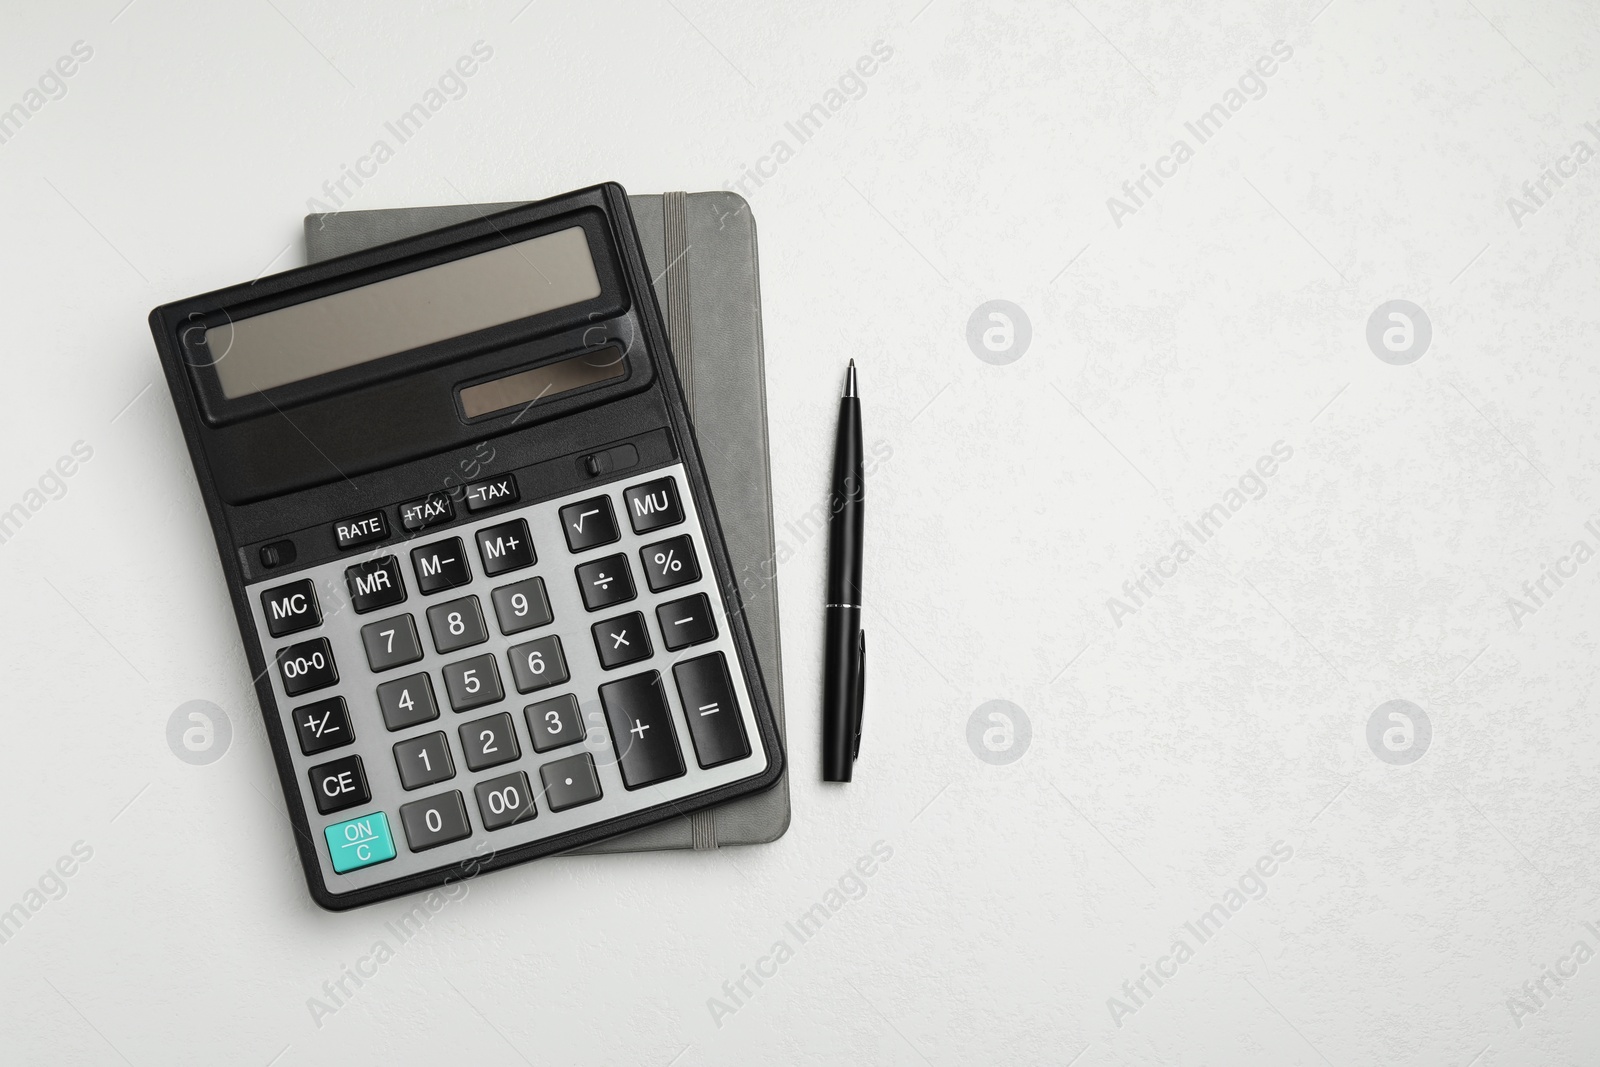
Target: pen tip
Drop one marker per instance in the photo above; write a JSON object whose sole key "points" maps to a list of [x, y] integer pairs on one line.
{"points": [[850, 380]]}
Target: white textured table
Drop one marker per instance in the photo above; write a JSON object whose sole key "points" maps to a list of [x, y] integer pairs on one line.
{"points": [[1288, 413]]}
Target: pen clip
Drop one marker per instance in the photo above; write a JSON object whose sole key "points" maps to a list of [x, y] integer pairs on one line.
{"points": [[861, 692]]}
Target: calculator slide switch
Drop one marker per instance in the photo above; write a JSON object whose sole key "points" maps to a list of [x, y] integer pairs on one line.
{"points": [[359, 843], [307, 666]]}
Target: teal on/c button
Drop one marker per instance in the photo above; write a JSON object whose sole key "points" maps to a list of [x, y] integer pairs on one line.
{"points": [[360, 842]]}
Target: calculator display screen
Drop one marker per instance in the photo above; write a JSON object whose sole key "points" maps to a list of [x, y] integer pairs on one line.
{"points": [[405, 312]]}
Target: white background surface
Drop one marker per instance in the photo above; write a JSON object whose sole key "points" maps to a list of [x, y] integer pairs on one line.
{"points": [[1167, 754]]}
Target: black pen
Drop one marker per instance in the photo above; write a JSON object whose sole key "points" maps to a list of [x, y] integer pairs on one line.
{"points": [[844, 668]]}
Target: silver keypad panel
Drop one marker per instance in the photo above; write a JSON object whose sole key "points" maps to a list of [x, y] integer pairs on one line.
{"points": [[487, 656]]}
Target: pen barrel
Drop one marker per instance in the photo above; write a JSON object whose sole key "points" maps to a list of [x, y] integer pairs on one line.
{"points": [[841, 648], [839, 709], [846, 508]]}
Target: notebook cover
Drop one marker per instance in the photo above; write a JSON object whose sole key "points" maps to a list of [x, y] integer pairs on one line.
{"points": [[701, 248]]}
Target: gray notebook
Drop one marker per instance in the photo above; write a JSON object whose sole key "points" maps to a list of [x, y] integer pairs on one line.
{"points": [[701, 248]]}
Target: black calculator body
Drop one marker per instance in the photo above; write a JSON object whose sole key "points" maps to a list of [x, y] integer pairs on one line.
{"points": [[471, 547]]}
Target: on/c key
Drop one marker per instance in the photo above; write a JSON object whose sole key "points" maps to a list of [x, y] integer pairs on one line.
{"points": [[359, 843]]}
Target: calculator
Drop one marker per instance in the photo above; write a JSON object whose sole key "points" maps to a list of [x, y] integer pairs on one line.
{"points": [[471, 547]]}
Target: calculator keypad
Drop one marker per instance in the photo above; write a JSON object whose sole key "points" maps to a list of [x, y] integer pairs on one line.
{"points": [[516, 605]]}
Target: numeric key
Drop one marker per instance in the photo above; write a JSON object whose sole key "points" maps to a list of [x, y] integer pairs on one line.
{"points": [[424, 760], [489, 742], [307, 666], [457, 624], [504, 801], [391, 643], [407, 701], [435, 821], [522, 606], [555, 723], [537, 664], [473, 683]]}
